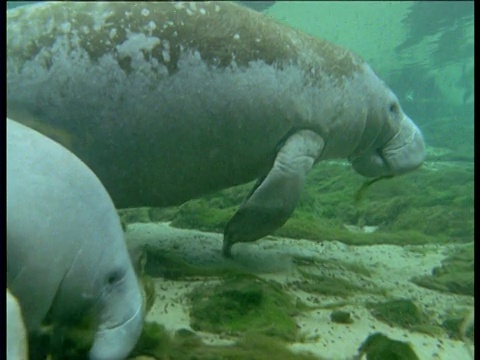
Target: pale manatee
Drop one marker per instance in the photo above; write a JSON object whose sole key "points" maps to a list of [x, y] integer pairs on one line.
{"points": [[66, 254], [17, 347], [168, 101]]}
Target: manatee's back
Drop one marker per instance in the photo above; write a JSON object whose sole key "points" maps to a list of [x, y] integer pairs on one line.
{"points": [[56, 211]]}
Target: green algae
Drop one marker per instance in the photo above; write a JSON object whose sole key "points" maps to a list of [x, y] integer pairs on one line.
{"points": [[332, 286], [431, 205], [354, 267], [201, 215], [134, 215], [341, 317], [361, 191], [380, 347], [243, 303], [401, 312], [55, 342], [454, 325], [156, 342], [455, 275], [169, 265]]}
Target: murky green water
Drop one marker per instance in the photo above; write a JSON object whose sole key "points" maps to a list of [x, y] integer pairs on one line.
{"points": [[356, 258]]}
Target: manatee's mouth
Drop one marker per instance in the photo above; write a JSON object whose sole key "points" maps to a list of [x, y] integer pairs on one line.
{"points": [[110, 327], [403, 153], [373, 164], [116, 342]]}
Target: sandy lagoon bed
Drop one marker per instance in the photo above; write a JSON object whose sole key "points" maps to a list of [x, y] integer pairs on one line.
{"points": [[377, 274]]}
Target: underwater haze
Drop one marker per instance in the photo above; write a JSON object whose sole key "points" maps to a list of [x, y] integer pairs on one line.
{"points": [[377, 271]]}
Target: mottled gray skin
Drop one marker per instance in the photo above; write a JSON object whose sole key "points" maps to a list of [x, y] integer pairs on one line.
{"points": [[169, 101], [66, 253]]}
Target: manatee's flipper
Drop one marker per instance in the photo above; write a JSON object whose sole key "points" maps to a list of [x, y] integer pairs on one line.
{"points": [[272, 201]]}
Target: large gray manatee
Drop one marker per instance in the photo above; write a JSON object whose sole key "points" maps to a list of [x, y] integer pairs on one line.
{"points": [[66, 254], [168, 101]]}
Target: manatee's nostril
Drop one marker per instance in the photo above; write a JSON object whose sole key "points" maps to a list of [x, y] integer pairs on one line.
{"points": [[114, 277], [394, 107]]}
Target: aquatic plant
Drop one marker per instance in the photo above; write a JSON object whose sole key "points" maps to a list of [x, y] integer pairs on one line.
{"points": [[380, 347], [400, 312], [431, 205], [243, 303], [455, 275]]}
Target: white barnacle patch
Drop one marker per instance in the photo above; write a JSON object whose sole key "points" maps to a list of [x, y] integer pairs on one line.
{"points": [[166, 55], [175, 34], [192, 5], [257, 40], [113, 33], [202, 11], [179, 5], [236, 37], [189, 12], [168, 23], [99, 19], [151, 25], [66, 27], [135, 44], [50, 25], [85, 29], [166, 44], [145, 12], [217, 8]]}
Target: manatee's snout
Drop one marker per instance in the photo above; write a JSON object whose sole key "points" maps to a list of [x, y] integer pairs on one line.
{"points": [[401, 154], [118, 342], [121, 320]]}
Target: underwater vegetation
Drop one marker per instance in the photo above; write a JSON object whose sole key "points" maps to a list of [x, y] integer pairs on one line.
{"points": [[380, 347], [341, 317], [402, 312], [431, 205], [445, 18], [158, 344], [455, 275], [244, 303]]}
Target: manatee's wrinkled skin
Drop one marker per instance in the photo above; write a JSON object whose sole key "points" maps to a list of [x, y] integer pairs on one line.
{"points": [[17, 346], [168, 101], [66, 253]]}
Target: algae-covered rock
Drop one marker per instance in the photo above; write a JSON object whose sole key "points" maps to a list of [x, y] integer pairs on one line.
{"points": [[170, 265], [455, 275], [460, 325], [134, 215], [243, 303], [199, 214], [162, 214], [401, 312], [156, 343], [254, 346], [332, 286], [452, 327], [380, 347], [341, 317]]}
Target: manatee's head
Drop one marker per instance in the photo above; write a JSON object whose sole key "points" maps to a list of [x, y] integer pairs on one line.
{"points": [[391, 143]]}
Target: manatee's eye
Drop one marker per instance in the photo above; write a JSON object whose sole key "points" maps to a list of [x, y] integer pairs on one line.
{"points": [[115, 276], [394, 108]]}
